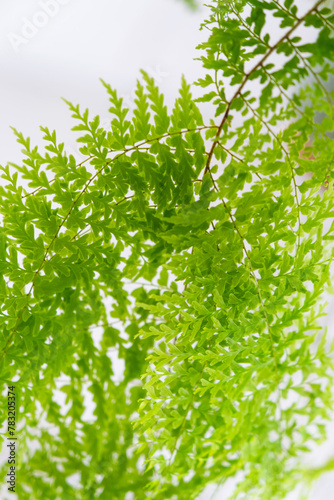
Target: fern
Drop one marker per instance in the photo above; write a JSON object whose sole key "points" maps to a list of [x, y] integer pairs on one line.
{"points": [[198, 252]]}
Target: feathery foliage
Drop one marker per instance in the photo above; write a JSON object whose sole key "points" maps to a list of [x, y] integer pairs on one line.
{"points": [[197, 254]]}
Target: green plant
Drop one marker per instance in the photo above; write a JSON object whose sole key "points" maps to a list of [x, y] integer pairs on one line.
{"points": [[203, 252], [191, 3]]}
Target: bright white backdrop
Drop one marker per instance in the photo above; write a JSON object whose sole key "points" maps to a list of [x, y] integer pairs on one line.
{"points": [[60, 48]]}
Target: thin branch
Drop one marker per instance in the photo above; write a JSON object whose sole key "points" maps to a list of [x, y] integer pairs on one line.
{"points": [[256, 114], [249, 74], [312, 72]]}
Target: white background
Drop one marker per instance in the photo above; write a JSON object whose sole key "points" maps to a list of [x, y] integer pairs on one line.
{"points": [[66, 55]]}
